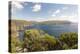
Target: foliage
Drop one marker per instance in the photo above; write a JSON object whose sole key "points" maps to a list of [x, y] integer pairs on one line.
{"points": [[51, 42], [34, 40], [38, 40], [14, 43], [70, 39]]}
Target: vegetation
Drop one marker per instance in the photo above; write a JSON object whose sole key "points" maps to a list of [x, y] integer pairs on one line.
{"points": [[55, 22], [35, 40], [69, 40], [15, 43], [38, 40]]}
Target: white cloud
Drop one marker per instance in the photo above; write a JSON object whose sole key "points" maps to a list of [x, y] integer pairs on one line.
{"points": [[36, 8], [17, 5], [65, 8], [57, 11], [72, 18], [53, 15], [36, 2], [25, 3], [38, 19]]}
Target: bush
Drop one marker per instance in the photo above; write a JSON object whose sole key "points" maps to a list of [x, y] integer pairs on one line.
{"points": [[14, 43], [38, 40], [70, 39], [34, 40]]}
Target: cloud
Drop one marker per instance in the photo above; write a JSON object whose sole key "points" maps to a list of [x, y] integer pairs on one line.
{"points": [[38, 19], [36, 8], [36, 2], [17, 5], [73, 18], [53, 15], [25, 3], [65, 8], [57, 11]]}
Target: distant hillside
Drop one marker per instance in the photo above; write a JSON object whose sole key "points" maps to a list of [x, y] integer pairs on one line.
{"points": [[21, 22], [56, 22], [24, 22]]}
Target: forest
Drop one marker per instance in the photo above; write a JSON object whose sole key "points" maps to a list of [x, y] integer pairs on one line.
{"points": [[38, 40]]}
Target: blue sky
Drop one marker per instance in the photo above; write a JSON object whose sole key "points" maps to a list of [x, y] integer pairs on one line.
{"points": [[44, 11]]}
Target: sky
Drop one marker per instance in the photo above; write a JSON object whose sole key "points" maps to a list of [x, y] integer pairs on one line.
{"points": [[32, 11]]}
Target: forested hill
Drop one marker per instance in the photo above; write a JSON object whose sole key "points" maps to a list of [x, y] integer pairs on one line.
{"points": [[25, 22], [55, 22], [21, 22]]}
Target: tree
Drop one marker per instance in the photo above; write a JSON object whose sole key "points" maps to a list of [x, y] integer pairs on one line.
{"points": [[51, 42], [69, 39], [32, 40], [14, 44]]}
